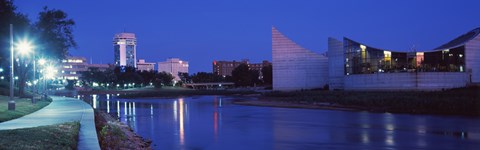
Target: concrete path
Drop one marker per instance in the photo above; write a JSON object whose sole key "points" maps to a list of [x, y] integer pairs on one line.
{"points": [[62, 109]]}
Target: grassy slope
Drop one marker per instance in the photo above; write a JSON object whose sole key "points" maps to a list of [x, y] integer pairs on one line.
{"points": [[24, 106], [61, 136]]}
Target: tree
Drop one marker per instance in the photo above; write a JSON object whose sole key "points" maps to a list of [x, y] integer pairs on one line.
{"points": [[184, 77], [205, 77], [126, 75], [267, 74], [56, 32], [53, 33], [21, 23], [21, 27], [243, 76], [93, 75], [162, 79]]}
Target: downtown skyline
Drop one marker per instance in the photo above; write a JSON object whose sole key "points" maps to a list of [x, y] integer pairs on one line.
{"points": [[201, 32]]}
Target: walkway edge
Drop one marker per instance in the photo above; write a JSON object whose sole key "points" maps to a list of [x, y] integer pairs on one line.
{"points": [[87, 139]]}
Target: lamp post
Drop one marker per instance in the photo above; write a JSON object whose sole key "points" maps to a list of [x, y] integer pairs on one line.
{"points": [[24, 47], [34, 83], [42, 62], [11, 103]]}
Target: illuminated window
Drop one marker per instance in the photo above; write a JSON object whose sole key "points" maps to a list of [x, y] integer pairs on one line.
{"points": [[387, 55]]}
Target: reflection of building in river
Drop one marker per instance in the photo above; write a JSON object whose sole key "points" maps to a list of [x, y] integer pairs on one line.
{"points": [[217, 115]]}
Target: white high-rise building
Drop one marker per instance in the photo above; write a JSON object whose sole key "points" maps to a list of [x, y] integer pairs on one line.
{"points": [[173, 66], [125, 49]]}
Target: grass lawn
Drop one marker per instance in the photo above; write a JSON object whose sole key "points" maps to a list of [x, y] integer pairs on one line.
{"points": [[24, 106], [60, 136]]}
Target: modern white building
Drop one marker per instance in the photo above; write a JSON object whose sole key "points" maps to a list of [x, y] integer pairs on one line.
{"points": [[173, 66], [125, 49], [145, 66], [352, 65], [294, 67]]}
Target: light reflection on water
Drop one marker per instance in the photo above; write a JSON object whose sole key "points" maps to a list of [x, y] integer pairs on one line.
{"points": [[212, 122]]}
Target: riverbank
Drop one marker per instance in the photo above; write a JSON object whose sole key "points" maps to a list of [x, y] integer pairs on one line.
{"points": [[60, 136], [163, 92], [177, 92], [463, 101], [23, 106], [113, 134]]}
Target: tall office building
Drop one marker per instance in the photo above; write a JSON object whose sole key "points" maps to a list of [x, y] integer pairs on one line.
{"points": [[173, 66], [125, 49]]}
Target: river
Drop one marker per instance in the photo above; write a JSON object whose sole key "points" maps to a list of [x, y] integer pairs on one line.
{"points": [[213, 122]]}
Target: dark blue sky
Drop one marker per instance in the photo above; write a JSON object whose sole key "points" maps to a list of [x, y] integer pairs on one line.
{"points": [[201, 31]]}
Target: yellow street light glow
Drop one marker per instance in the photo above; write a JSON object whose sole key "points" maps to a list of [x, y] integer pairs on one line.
{"points": [[24, 47]]}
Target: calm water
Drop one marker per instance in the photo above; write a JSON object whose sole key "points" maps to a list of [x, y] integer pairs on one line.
{"points": [[213, 122]]}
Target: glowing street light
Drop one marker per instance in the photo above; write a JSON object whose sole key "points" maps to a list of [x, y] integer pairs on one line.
{"points": [[24, 47], [50, 72], [42, 61]]}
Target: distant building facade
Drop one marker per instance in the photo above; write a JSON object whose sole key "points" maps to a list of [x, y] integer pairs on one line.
{"points": [[73, 66], [125, 49], [145, 66], [173, 66], [225, 68]]}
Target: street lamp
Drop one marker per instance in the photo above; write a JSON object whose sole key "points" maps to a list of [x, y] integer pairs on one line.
{"points": [[42, 61], [49, 73], [24, 47], [11, 103]]}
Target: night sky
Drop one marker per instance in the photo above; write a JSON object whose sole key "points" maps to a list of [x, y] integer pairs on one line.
{"points": [[200, 31]]}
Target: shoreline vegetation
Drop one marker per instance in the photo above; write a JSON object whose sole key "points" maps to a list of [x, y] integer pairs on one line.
{"points": [[461, 101], [113, 134], [59, 136]]}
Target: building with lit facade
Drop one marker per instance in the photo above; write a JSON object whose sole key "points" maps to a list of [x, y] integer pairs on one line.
{"points": [[173, 66], [145, 66], [125, 49], [354, 65], [73, 66], [225, 68]]}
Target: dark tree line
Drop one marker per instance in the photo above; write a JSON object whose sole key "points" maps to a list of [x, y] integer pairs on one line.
{"points": [[242, 76], [121, 77], [51, 35]]}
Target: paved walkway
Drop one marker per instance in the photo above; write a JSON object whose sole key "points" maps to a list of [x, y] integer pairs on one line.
{"points": [[62, 109]]}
